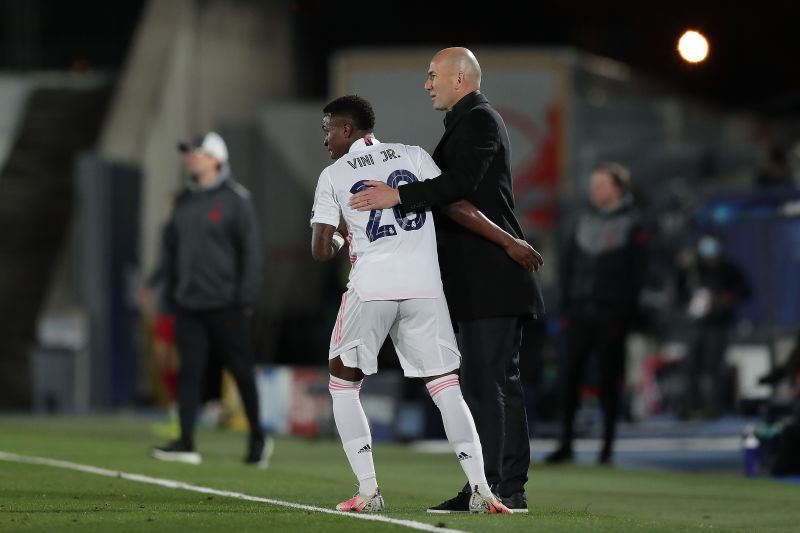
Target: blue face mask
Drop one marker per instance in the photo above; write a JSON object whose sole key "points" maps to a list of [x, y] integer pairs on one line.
{"points": [[709, 248]]}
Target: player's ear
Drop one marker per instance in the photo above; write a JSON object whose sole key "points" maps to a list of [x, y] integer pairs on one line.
{"points": [[347, 129]]}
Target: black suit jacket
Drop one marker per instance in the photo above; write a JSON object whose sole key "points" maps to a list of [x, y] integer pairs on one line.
{"points": [[480, 280]]}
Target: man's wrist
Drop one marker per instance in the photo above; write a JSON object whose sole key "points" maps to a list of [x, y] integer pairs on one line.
{"points": [[399, 200], [337, 241], [508, 241]]}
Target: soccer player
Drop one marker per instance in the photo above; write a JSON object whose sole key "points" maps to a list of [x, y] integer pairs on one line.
{"points": [[395, 288]]}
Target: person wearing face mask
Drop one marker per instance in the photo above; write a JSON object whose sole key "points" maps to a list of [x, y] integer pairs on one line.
{"points": [[711, 286], [602, 270]]}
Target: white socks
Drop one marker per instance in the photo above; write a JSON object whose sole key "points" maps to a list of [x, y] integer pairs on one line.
{"points": [[460, 429], [351, 422], [357, 440]]}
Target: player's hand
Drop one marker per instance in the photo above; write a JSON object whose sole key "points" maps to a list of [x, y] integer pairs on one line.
{"points": [[378, 196], [524, 254], [146, 301]]}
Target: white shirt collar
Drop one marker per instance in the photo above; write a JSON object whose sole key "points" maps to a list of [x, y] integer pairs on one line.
{"points": [[363, 143]]}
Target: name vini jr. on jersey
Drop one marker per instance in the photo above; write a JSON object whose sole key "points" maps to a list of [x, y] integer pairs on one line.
{"points": [[361, 161], [366, 160]]}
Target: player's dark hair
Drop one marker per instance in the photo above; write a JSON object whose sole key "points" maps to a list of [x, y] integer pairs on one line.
{"points": [[355, 108]]}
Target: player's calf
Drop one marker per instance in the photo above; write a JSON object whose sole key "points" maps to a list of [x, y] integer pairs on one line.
{"points": [[459, 428]]}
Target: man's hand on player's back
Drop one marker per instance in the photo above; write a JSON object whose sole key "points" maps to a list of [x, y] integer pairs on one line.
{"points": [[378, 196]]}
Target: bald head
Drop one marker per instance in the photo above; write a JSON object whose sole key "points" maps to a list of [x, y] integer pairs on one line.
{"points": [[453, 74], [461, 60]]}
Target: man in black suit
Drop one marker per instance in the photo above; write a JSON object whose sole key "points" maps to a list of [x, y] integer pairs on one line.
{"points": [[489, 295]]}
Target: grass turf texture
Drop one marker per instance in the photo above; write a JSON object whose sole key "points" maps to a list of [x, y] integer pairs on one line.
{"points": [[573, 498]]}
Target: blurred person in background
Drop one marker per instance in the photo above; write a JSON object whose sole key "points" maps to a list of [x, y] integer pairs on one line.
{"points": [[789, 370], [212, 268], [775, 171], [160, 323], [602, 271], [787, 453], [161, 328], [711, 287], [491, 297]]}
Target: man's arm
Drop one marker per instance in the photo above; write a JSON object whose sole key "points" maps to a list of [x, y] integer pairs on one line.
{"points": [[567, 255], [325, 241], [343, 230], [169, 251], [469, 216], [251, 255], [639, 241], [479, 143], [158, 274], [146, 299]]}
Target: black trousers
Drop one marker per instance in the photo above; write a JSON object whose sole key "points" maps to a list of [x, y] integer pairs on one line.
{"points": [[705, 369], [490, 382], [602, 332], [223, 332]]}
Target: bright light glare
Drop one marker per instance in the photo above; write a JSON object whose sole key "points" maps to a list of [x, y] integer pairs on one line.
{"points": [[693, 46]]}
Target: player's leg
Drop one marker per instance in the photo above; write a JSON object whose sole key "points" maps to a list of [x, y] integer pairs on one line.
{"points": [[516, 458], [693, 367], [351, 423], [211, 397], [460, 429], [193, 343], [482, 379], [357, 336], [425, 343], [230, 338], [490, 368], [717, 370], [611, 355], [580, 340]]}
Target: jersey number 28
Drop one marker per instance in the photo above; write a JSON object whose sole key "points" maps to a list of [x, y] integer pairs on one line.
{"points": [[374, 229]]}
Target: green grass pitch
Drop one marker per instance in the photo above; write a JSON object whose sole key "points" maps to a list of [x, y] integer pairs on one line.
{"points": [[574, 498]]}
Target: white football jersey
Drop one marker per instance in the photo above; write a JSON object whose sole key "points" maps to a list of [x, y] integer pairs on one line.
{"points": [[393, 252]]}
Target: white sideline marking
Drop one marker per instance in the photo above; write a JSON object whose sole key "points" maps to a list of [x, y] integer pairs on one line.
{"points": [[172, 484]]}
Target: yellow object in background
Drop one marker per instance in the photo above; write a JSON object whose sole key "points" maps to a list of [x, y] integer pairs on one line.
{"points": [[233, 416]]}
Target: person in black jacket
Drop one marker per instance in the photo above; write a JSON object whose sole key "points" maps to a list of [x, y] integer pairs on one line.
{"points": [[489, 295], [602, 272], [212, 270], [711, 286]]}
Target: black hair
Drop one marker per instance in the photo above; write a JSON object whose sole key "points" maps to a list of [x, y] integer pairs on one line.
{"points": [[358, 109]]}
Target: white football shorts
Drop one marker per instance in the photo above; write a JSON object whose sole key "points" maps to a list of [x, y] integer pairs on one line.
{"points": [[420, 329]]}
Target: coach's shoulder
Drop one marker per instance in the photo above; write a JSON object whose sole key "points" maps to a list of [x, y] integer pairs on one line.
{"points": [[239, 190], [484, 111], [482, 117]]}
